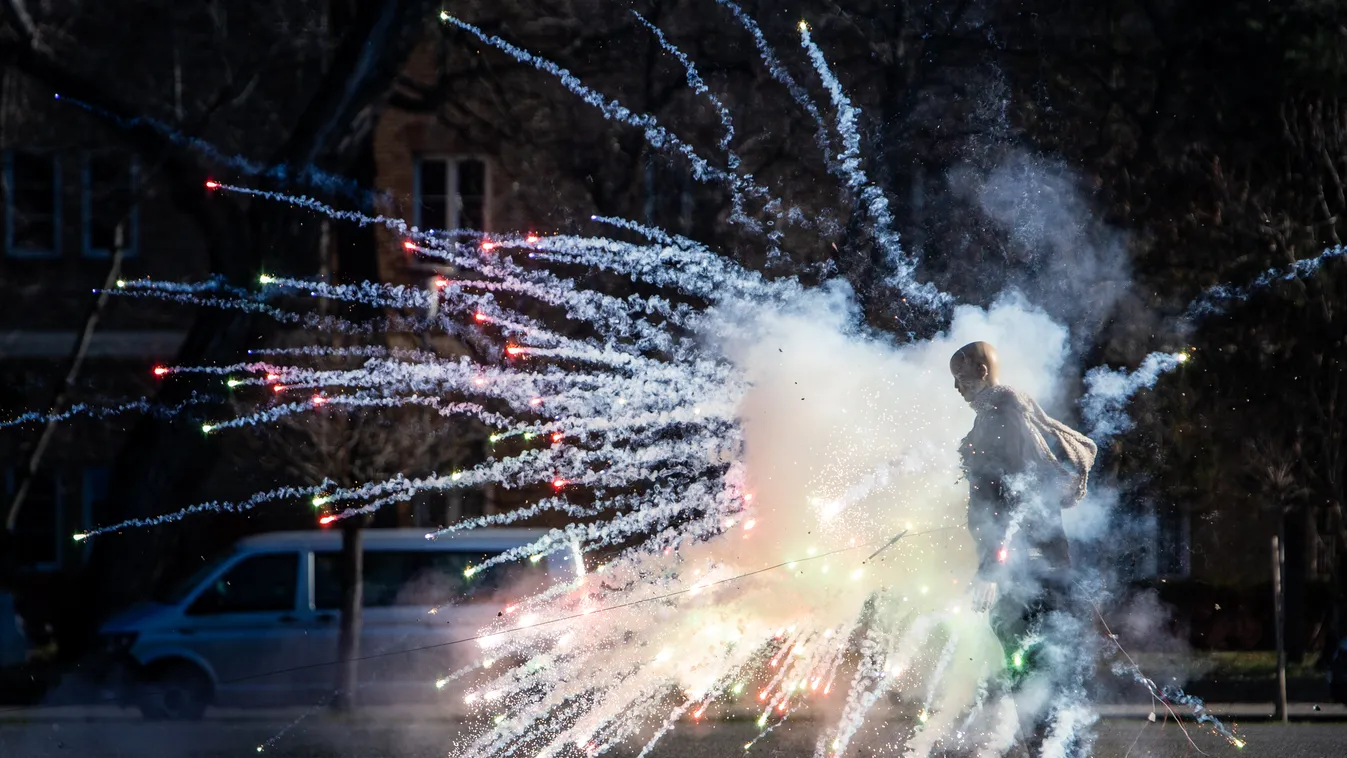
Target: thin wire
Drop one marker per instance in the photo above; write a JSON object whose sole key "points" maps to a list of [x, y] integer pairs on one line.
{"points": [[559, 619], [526, 627], [1154, 693]]}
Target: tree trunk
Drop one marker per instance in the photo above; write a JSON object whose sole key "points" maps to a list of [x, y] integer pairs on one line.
{"points": [[1296, 547], [352, 597], [1279, 622]]}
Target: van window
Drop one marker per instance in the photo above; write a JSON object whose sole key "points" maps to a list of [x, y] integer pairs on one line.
{"points": [[421, 577], [258, 584], [175, 591]]}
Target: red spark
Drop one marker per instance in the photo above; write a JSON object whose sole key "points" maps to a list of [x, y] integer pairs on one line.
{"points": [[327, 520], [480, 316], [536, 401], [557, 436], [532, 239], [319, 400], [273, 377], [279, 388], [441, 282], [488, 246], [748, 497], [212, 184], [1002, 554], [762, 695], [558, 483], [512, 350], [409, 245], [160, 371]]}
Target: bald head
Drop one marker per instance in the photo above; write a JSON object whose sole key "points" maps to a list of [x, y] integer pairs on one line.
{"points": [[975, 367]]}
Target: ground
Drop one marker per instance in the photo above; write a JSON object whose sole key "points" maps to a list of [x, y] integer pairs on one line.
{"points": [[320, 735]]}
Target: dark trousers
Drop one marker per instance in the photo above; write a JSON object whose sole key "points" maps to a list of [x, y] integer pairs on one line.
{"points": [[1047, 640]]}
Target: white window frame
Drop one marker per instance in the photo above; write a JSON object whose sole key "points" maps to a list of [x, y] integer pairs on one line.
{"points": [[452, 213]]}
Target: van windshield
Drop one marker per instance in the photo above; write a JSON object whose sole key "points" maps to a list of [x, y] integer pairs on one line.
{"points": [[172, 593]]}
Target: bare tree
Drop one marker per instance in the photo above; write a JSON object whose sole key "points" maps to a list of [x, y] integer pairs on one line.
{"points": [[345, 446], [292, 87]]}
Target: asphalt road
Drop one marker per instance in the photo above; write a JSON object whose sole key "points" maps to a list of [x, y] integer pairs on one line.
{"points": [[321, 736]]}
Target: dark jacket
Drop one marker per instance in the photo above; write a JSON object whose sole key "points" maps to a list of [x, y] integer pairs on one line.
{"points": [[1018, 481]]}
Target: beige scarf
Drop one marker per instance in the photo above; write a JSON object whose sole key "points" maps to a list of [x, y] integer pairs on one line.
{"points": [[1078, 450]]}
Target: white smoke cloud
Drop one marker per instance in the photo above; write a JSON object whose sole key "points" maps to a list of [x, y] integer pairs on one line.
{"points": [[1062, 255]]}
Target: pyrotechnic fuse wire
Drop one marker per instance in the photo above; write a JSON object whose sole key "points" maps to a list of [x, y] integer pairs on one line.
{"points": [[548, 622]]}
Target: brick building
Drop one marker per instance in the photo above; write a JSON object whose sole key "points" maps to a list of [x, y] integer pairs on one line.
{"points": [[66, 189]]}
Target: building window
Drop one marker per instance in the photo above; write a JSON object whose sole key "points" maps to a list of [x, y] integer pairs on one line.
{"points": [[37, 535], [32, 204], [451, 194], [109, 180]]}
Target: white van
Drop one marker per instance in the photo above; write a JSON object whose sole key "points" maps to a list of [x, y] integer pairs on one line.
{"points": [[259, 626]]}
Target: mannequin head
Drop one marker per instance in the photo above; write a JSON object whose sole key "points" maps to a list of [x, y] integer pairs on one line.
{"points": [[975, 368]]}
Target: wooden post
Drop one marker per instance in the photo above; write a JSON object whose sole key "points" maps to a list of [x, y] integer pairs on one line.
{"points": [[1279, 620], [352, 568]]}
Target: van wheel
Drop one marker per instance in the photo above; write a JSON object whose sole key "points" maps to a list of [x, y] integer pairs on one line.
{"points": [[174, 692]]}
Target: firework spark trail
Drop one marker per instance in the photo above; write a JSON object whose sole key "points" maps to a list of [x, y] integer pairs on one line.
{"points": [[872, 680], [90, 410], [213, 284], [309, 174], [1109, 390], [539, 284], [332, 351], [678, 263], [278, 412], [307, 320], [213, 506], [702, 434], [701, 271], [778, 72], [538, 466], [656, 135], [1217, 298], [1168, 695], [195, 298], [698, 86], [872, 198], [1071, 723]]}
